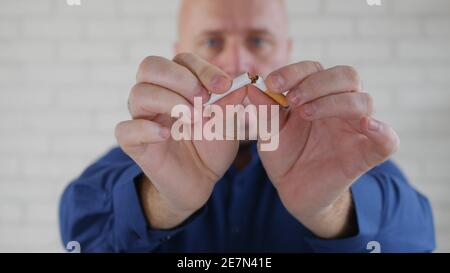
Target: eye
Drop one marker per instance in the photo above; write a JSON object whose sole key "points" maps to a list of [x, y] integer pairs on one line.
{"points": [[256, 41], [213, 42]]}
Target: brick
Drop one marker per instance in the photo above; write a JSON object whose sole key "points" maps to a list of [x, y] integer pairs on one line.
{"points": [[42, 213], [10, 73], [52, 29], [106, 122], [25, 7], [420, 97], [8, 29], [107, 96], [391, 75], [77, 144], [11, 214], [438, 28], [414, 7], [438, 169], [73, 121], [427, 147], [9, 166], [15, 191], [48, 74], [30, 238], [84, 51], [357, 7], [49, 166], [438, 73], [358, 51], [429, 50], [306, 50], [18, 97], [119, 75], [23, 143], [295, 7], [119, 29], [148, 7], [388, 27], [321, 28], [436, 122], [163, 28], [26, 51], [88, 8], [141, 49]]}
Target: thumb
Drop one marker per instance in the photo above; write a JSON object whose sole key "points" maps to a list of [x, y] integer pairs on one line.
{"points": [[382, 140]]}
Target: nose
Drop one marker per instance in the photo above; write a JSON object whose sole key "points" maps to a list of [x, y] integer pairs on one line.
{"points": [[234, 59]]}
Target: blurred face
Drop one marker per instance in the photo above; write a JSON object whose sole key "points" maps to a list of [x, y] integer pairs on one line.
{"points": [[236, 35]]}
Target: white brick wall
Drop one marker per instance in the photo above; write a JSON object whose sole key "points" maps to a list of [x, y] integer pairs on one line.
{"points": [[65, 74]]}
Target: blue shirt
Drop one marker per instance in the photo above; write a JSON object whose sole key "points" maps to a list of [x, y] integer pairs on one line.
{"points": [[101, 210]]}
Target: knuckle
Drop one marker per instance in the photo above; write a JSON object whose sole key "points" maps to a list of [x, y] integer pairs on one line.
{"points": [[310, 63], [135, 93], [148, 65], [187, 76], [201, 68], [136, 100], [118, 131], [184, 57], [392, 145], [304, 67], [149, 61], [352, 75]]}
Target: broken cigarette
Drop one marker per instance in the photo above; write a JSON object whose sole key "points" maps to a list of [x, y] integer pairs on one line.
{"points": [[258, 82], [255, 80]]}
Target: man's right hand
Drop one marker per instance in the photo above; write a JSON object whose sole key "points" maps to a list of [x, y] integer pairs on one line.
{"points": [[179, 175]]}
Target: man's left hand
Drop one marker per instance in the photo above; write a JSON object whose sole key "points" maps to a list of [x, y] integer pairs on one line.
{"points": [[327, 140]]}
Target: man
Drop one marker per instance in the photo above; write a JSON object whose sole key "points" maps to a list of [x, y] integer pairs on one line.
{"points": [[325, 188]]}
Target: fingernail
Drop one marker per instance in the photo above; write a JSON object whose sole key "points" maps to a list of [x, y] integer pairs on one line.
{"points": [[277, 82], [374, 125], [309, 110], [218, 82], [164, 132]]}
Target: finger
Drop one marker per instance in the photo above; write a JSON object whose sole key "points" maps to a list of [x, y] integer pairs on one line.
{"points": [[213, 78], [258, 98], [168, 74], [147, 100], [287, 77], [382, 140], [331, 81], [350, 105], [139, 132]]}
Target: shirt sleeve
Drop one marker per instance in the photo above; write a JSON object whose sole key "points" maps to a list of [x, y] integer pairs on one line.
{"points": [[101, 209], [391, 216]]}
